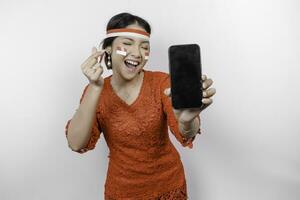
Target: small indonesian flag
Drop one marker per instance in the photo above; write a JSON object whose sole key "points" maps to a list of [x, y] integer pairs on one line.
{"points": [[121, 51], [146, 55]]}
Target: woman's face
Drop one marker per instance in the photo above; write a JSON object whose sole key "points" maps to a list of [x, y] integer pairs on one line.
{"points": [[136, 49]]}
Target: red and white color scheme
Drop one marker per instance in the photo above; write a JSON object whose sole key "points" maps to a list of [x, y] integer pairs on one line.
{"points": [[128, 32], [121, 51], [131, 33], [147, 55]]}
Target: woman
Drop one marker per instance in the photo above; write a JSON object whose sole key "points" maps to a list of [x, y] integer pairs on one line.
{"points": [[132, 108]]}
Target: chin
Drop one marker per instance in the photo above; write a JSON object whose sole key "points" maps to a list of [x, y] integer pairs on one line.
{"points": [[128, 74]]}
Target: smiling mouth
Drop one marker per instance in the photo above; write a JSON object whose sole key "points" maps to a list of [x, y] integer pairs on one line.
{"points": [[131, 63]]}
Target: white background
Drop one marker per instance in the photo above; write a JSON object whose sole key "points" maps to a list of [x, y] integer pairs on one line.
{"points": [[249, 148]]}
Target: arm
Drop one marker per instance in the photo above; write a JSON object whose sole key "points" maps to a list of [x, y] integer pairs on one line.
{"points": [[177, 128], [83, 130], [190, 130]]}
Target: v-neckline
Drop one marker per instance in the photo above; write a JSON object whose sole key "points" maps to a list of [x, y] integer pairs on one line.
{"points": [[137, 98]]}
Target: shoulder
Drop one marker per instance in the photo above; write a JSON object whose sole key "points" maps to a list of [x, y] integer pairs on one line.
{"points": [[158, 79], [157, 75]]}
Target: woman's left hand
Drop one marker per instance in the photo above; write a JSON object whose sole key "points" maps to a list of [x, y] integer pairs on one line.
{"points": [[186, 116]]}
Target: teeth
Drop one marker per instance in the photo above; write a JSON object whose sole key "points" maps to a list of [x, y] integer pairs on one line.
{"points": [[132, 62]]}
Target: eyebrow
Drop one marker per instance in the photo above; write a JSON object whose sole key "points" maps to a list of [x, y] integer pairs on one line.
{"points": [[133, 40]]}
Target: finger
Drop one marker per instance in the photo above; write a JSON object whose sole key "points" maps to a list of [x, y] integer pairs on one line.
{"points": [[188, 115], [88, 72], [98, 71], [90, 64], [96, 66], [209, 92], [85, 70], [207, 101], [167, 92], [94, 50], [92, 59], [94, 56], [98, 53], [207, 83], [203, 77], [194, 110], [100, 58]]}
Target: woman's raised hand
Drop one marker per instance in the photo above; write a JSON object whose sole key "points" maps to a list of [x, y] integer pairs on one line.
{"points": [[186, 116], [92, 69]]}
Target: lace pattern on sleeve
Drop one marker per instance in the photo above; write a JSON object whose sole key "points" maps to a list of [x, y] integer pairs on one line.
{"points": [[95, 130]]}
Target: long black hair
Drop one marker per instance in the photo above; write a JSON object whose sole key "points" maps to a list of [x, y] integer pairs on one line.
{"points": [[123, 20]]}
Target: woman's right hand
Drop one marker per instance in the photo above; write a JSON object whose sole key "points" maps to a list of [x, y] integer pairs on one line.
{"points": [[92, 69]]}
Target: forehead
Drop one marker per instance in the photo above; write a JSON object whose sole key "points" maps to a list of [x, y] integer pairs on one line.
{"points": [[132, 38]]}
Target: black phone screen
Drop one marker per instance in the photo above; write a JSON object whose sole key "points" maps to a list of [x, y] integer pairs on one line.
{"points": [[185, 74]]}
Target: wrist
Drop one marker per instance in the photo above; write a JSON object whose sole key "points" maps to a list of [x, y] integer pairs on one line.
{"points": [[95, 87], [189, 130]]}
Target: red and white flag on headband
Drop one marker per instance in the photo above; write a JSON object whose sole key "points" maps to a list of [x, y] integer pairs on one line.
{"points": [[146, 55], [121, 51]]}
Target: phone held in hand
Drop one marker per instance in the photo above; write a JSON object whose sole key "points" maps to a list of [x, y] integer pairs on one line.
{"points": [[185, 75]]}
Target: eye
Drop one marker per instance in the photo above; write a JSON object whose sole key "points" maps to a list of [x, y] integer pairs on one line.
{"points": [[146, 48], [126, 43]]}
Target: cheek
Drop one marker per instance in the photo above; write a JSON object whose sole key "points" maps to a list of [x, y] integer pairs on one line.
{"points": [[146, 55], [122, 51], [119, 54], [117, 59]]}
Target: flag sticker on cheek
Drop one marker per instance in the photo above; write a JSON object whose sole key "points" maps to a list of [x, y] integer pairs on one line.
{"points": [[147, 55], [121, 51]]}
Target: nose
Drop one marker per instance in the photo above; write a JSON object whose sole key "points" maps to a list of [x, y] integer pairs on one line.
{"points": [[136, 53]]}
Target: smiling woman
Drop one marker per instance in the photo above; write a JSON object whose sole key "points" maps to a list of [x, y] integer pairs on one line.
{"points": [[132, 39], [133, 112]]}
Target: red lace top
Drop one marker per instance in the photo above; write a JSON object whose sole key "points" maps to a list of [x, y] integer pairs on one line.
{"points": [[143, 162]]}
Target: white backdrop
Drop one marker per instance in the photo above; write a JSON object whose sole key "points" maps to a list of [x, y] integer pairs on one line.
{"points": [[249, 148]]}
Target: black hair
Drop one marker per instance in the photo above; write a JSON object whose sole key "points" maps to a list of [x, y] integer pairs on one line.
{"points": [[123, 20]]}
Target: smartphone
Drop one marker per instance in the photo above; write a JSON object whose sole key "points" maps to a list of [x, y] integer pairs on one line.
{"points": [[185, 75]]}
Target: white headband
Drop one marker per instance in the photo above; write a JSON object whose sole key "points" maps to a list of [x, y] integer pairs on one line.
{"points": [[128, 32]]}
